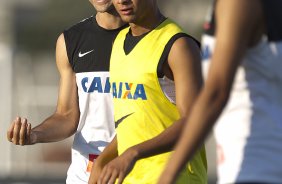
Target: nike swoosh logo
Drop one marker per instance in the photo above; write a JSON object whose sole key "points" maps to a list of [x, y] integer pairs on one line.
{"points": [[85, 53], [121, 119]]}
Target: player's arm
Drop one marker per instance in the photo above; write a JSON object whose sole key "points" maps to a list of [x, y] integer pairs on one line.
{"points": [[185, 64], [237, 21], [105, 157], [63, 122]]}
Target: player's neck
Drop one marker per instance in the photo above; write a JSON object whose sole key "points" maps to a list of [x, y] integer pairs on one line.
{"points": [[109, 20]]}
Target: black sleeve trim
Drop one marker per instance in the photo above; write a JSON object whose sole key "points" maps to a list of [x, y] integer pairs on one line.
{"points": [[167, 48]]}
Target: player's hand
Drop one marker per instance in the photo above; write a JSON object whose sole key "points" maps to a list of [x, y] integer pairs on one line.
{"points": [[95, 173], [19, 132], [117, 168]]}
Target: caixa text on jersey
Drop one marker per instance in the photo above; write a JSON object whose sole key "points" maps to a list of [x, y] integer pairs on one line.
{"points": [[122, 90]]}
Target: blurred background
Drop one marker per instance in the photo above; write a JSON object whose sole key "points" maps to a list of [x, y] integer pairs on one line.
{"points": [[29, 79]]}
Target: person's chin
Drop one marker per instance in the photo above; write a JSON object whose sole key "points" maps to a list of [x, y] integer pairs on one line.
{"points": [[127, 18]]}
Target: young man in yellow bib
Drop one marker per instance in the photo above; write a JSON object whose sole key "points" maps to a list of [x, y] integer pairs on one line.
{"points": [[156, 76]]}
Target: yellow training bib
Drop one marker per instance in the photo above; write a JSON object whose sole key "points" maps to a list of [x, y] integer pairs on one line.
{"points": [[142, 111]]}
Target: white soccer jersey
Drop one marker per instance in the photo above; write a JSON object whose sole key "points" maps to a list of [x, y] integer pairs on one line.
{"points": [[96, 127], [89, 48], [249, 131]]}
